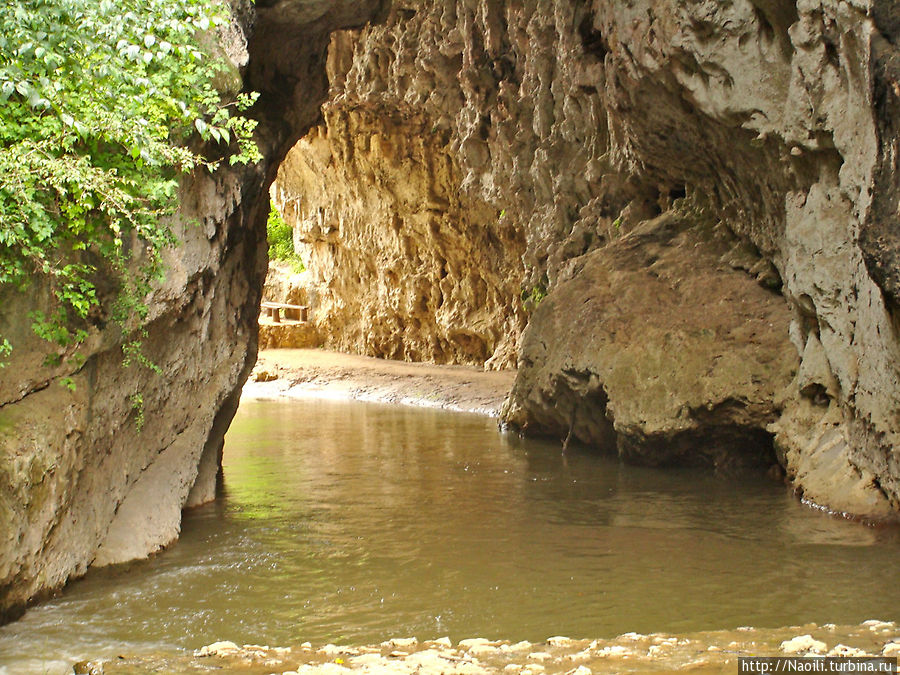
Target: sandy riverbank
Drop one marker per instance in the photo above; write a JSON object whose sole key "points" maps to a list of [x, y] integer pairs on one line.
{"points": [[318, 373], [711, 652]]}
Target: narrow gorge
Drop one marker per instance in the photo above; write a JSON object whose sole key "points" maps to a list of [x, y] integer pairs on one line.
{"points": [[678, 220]]}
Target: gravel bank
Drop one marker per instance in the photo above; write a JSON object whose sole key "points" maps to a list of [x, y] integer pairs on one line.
{"points": [[711, 652]]}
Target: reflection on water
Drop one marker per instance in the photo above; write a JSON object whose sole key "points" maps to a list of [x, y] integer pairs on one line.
{"points": [[352, 522]]}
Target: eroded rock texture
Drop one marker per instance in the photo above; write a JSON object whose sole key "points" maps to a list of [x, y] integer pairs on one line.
{"points": [[403, 264], [658, 350], [766, 130], [80, 483]]}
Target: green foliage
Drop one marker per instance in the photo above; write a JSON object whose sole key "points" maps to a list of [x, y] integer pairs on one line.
{"points": [[137, 407], [99, 102], [281, 240], [531, 299], [5, 349]]}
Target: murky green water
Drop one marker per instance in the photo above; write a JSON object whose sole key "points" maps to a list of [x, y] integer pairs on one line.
{"points": [[352, 522]]}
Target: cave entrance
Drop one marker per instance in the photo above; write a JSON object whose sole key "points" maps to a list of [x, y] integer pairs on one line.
{"points": [[373, 234]]}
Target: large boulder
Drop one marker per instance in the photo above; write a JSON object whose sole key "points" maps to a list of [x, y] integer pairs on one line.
{"points": [[658, 349]]}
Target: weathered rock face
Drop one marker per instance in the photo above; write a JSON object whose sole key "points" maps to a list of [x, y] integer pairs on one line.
{"points": [[402, 264], [581, 123], [82, 481], [768, 110], [660, 349]]}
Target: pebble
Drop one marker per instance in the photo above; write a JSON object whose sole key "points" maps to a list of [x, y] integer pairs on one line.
{"points": [[400, 643], [891, 649], [557, 656], [844, 651], [88, 668], [322, 669], [583, 655], [222, 648], [803, 644], [580, 670], [367, 660], [663, 641], [559, 641], [332, 650], [483, 650], [433, 660], [540, 656], [520, 646], [613, 651]]}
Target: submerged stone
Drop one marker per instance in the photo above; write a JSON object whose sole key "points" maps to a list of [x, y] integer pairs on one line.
{"points": [[803, 644]]}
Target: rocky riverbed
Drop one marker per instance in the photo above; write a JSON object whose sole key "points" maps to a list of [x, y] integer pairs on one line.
{"points": [[711, 652]]}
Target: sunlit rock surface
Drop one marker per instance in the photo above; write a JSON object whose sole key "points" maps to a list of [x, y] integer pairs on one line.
{"points": [[403, 264]]}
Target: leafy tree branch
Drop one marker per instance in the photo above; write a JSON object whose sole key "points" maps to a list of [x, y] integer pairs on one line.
{"points": [[99, 103]]}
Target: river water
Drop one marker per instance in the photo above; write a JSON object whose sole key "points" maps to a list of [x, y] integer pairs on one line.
{"points": [[355, 522]]}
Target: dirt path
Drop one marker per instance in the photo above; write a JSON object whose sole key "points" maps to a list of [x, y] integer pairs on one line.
{"points": [[318, 373]]}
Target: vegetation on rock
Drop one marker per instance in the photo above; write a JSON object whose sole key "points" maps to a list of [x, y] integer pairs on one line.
{"points": [[99, 105]]}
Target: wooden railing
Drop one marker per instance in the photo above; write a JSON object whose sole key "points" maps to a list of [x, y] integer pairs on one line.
{"points": [[275, 311]]}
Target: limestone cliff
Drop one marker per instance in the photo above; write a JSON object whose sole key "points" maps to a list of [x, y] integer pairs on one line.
{"points": [[402, 263], [763, 133], [80, 483]]}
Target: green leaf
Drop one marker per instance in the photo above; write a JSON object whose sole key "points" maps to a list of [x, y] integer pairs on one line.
{"points": [[128, 83]]}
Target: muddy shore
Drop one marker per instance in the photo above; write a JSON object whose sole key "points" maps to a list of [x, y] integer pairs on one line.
{"points": [[298, 373]]}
